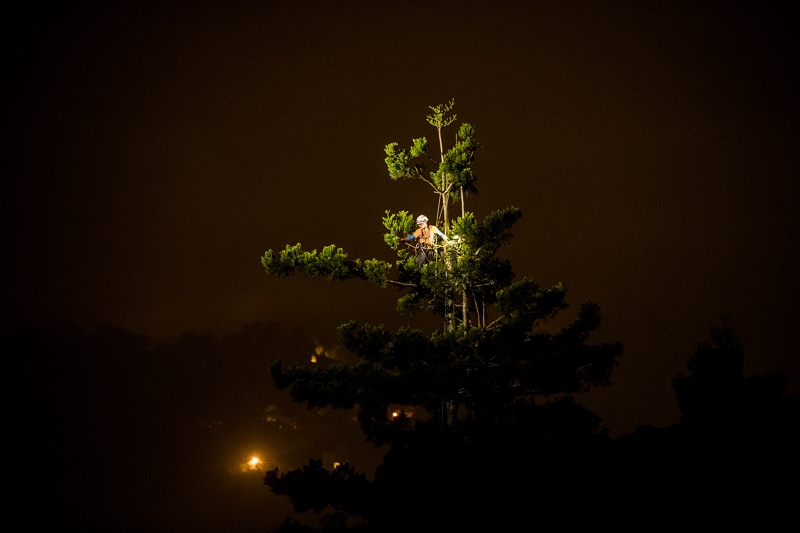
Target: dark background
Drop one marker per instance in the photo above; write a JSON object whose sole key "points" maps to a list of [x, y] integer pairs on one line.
{"points": [[153, 153]]}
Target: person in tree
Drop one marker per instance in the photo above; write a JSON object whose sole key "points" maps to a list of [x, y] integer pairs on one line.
{"points": [[425, 236]]}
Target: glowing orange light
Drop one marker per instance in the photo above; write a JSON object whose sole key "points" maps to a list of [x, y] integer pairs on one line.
{"points": [[253, 465], [395, 414]]}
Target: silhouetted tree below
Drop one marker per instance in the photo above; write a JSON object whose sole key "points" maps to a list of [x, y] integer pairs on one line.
{"points": [[734, 455]]}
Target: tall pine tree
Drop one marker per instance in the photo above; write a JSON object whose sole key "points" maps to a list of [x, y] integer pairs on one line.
{"points": [[495, 385]]}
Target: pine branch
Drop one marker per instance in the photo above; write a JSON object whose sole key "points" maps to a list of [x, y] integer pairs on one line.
{"points": [[393, 282]]}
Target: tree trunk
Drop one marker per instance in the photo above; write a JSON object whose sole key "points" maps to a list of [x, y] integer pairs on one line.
{"points": [[443, 194], [465, 309], [451, 412]]}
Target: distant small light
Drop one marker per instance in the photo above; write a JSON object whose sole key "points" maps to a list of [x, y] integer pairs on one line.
{"points": [[394, 415], [313, 358]]}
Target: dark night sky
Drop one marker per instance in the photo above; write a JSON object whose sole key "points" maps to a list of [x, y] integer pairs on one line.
{"points": [[154, 153]]}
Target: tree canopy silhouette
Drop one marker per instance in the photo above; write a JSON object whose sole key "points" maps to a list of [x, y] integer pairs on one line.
{"points": [[732, 456]]}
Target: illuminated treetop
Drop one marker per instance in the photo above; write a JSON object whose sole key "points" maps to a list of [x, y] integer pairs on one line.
{"points": [[491, 359]]}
